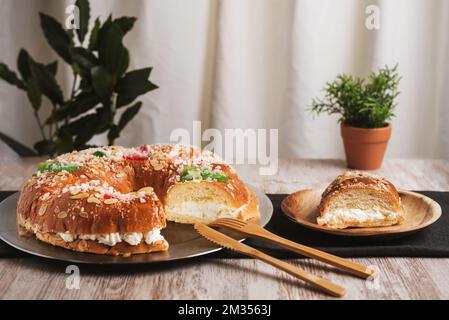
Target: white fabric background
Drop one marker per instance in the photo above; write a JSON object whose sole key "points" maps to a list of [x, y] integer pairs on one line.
{"points": [[257, 64]]}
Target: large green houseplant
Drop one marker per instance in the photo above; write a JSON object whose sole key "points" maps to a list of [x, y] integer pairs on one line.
{"points": [[366, 108], [102, 84]]}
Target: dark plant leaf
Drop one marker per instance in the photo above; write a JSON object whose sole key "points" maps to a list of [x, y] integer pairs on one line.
{"points": [[52, 67], [79, 125], [101, 82], [84, 9], [84, 129], [125, 23], [83, 57], [34, 93], [87, 126], [128, 115], [24, 68], [10, 76], [64, 142], [110, 47], [93, 35], [80, 104], [45, 147], [18, 147], [113, 134], [22, 64], [123, 64], [46, 82], [106, 118], [58, 38], [85, 84], [76, 68], [132, 85]]}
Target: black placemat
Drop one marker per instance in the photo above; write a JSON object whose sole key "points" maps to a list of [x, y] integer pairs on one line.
{"points": [[432, 241]]}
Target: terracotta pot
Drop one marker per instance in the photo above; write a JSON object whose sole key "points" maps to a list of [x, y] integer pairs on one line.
{"points": [[365, 148]]}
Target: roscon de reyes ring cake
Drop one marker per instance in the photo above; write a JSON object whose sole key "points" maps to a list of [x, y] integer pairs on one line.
{"points": [[115, 200]]}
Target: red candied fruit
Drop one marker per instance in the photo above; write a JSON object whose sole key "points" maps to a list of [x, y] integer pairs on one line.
{"points": [[140, 154], [135, 157], [107, 196], [143, 148]]}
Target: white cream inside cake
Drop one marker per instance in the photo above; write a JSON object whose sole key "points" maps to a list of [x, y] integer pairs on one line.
{"points": [[193, 202], [339, 216], [110, 239], [205, 210]]}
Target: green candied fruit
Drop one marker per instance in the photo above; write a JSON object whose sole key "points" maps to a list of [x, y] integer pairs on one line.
{"points": [[99, 154], [195, 173], [56, 166], [215, 176]]}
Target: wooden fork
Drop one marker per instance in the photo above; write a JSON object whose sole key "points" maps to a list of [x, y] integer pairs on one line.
{"points": [[254, 230], [230, 243]]}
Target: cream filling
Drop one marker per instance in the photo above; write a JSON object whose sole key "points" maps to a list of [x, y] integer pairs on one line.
{"points": [[355, 215], [111, 239], [207, 210]]}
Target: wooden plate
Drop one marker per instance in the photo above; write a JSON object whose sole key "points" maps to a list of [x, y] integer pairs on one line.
{"points": [[420, 212]]}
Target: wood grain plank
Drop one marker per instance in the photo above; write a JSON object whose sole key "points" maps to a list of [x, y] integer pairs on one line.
{"points": [[401, 278]]}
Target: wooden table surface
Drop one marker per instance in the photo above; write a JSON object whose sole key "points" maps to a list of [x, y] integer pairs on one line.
{"points": [[206, 278]]}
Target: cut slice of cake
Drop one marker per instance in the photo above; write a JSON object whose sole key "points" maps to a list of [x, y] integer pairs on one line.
{"points": [[357, 199]]}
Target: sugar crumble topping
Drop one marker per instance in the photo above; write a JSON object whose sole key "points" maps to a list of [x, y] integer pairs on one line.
{"points": [[169, 158]]}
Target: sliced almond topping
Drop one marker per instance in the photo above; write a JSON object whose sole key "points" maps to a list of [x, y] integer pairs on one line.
{"points": [[83, 214], [110, 201], [81, 195], [74, 191], [159, 167], [146, 190], [156, 164], [93, 200], [42, 210], [57, 209], [62, 214]]}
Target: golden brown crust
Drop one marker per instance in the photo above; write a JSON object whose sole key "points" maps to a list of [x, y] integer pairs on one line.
{"points": [[252, 210], [78, 216], [353, 179]]}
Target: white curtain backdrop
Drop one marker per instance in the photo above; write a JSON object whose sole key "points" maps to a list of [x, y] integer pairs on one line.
{"points": [[257, 64]]}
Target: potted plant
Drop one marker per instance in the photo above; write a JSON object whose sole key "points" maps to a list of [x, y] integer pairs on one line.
{"points": [[103, 94], [366, 108]]}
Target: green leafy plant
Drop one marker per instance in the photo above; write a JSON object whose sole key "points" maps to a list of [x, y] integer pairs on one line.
{"points": [[102, 84], [361, 103]]}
